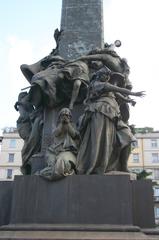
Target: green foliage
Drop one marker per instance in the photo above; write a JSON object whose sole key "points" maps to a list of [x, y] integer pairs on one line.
{"points": [[143, 174], [144, 130]]}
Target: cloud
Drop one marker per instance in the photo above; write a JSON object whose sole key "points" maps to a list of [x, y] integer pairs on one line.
{"points": [[17, 51], [135, 23]]}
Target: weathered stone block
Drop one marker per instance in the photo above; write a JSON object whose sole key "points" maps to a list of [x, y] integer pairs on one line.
{"points": [[82, 25], [76, 199], [5, 201]]}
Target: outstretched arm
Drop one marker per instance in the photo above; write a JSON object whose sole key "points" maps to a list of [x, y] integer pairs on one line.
{"points": [[125, 98], [111, 88]]}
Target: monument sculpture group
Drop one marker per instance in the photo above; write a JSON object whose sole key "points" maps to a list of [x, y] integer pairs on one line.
{"points": [[100, 139], [74, 120]]}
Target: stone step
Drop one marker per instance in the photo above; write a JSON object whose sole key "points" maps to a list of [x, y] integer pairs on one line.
{"points": [[72, 235], [73, 231], [71, 227]]}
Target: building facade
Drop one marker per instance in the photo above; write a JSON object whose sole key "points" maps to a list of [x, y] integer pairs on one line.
{"points": [[10, 156], [145, 156]]}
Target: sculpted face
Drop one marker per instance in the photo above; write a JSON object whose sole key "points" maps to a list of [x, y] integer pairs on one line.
{"points": [[104, 77], [96, 65], [65, 115]]}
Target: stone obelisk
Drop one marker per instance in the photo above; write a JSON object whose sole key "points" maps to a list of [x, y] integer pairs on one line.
{"points": [[82, 25]]}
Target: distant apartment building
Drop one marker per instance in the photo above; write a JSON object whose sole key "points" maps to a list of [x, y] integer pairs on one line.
{"points": [[10, 155], [145, 156]]}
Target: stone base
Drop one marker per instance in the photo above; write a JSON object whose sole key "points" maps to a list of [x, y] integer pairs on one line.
{"points": [[75, 199], [132, 176], [79, 232], [6, 188], [83, 199]]}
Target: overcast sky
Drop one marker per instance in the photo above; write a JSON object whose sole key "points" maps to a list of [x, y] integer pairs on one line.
{"points": [[26, 36]]}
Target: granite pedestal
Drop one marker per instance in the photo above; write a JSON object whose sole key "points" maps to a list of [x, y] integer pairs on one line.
{"points": [[83, 199], [5, 201], [77, 207]]}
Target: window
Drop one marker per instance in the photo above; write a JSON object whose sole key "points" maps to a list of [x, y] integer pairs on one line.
{"points": [[156, 174], [156, 212], [154, 143], [136, 170], [156, 192], [9, 173], [135, 157], [11, 157], [12, 143], [155, 158]]}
